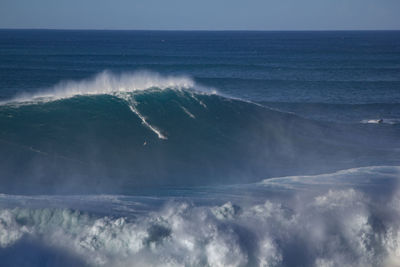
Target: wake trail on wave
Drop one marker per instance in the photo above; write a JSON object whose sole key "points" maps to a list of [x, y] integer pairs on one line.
{"points": [[121, 86], [144, 121], [114, 128]]}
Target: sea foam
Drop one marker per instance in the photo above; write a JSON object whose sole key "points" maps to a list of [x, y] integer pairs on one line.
{"points": [[326, 226], [112, 84]]}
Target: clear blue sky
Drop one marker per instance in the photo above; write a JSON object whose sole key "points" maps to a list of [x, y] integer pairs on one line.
{"points": [[201, 14]]}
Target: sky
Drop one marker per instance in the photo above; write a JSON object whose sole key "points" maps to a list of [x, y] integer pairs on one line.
{"points": [[202, 14]]}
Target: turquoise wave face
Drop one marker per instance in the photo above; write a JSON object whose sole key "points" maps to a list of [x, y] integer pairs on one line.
{"points": [[120, 142]]}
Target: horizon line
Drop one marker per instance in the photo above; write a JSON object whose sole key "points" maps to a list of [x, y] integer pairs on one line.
{"points": [[202, 30]]}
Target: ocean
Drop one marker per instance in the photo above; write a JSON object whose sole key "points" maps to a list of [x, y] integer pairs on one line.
{"points": [[199, 148]]}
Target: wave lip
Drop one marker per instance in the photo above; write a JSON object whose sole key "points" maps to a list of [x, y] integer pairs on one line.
{"points": [[120, 86], [111, 84]]}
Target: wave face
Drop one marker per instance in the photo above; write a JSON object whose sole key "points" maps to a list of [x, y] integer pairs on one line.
{"points": [[117, 133], [279, 222]]}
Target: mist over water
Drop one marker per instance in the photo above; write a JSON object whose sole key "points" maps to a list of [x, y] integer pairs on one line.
{"points": [[237, 149], [279, 222], [113, 134]]}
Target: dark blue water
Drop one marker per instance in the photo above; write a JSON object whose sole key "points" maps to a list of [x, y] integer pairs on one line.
{"points": [[114, 145], [317, 67], [279, 67]]}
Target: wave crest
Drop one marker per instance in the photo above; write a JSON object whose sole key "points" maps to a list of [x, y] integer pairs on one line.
{"points": [[111, 84]]}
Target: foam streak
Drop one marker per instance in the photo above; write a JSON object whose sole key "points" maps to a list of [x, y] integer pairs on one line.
{"points": [[144, 121]]}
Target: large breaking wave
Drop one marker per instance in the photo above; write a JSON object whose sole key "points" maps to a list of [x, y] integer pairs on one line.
{"points": [[118, 133], [177, 177]]}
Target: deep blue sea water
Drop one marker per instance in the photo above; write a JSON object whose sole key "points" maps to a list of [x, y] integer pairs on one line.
{"points": [[163, 148]]}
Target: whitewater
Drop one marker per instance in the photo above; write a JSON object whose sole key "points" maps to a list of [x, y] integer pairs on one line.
{"points": [[306, 223], [203, 149]]}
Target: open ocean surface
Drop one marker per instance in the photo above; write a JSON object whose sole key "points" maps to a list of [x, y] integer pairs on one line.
{"points": [[163, 148]]}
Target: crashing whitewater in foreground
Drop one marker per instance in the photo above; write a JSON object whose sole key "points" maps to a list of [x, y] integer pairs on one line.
{"points": [[348, 218], [147, 170]]}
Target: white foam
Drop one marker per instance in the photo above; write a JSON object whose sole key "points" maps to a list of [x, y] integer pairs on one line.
{"points": [[379, 121], [108, 83], [335, 227], [343, 177]]}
